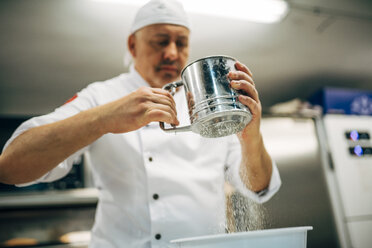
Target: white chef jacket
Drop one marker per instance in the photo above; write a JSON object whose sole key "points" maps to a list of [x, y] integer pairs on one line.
{"points": [[153, 186]]}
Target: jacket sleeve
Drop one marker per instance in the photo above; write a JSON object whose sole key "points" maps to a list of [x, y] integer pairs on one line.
{"points": [[81, 102], [232, 174]]}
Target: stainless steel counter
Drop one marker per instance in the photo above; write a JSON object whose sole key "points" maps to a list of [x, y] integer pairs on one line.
{"points": [[49, 198], [46, 218]]}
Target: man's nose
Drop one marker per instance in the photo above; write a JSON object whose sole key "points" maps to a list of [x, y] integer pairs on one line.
{"points": [[171, 51]]}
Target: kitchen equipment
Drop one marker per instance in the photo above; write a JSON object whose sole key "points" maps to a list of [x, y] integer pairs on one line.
{"points": [[348, 156], [214, 108], [278, 238], [345, 138]]}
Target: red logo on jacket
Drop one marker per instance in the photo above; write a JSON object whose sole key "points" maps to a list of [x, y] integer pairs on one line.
{"points": [[71, 99]]}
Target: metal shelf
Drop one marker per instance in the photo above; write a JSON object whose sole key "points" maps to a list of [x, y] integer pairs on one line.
{"points": [[49, 198]]}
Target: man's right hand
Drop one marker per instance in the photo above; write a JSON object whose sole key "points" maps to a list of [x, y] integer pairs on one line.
{"points": [[137, 109]]}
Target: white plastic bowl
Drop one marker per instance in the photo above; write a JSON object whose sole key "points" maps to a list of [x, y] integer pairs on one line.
{"points": [[291, 237]]}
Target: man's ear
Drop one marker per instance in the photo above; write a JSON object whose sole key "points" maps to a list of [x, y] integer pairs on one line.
{"points": [[131, 45]]}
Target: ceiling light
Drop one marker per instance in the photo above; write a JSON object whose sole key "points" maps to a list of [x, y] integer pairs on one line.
{"points": [[261, 11]]}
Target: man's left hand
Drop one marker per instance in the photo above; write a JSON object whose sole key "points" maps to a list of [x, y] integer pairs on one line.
{"points": [[242, 80]]}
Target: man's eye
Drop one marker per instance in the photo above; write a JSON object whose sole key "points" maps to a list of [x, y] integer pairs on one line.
{"points": [[163, 43], [181, 44]]}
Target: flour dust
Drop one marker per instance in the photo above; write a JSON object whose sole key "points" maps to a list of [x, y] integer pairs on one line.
{"points": [[243, 214]]}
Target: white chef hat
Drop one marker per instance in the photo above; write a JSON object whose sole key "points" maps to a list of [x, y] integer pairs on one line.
{"points": [[160, 11]]}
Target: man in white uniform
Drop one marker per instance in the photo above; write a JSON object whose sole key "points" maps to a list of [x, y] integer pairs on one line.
{"points": [[154, 186]]}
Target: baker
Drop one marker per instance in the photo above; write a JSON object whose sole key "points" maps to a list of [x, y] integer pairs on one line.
{"points": [[153, 186]]}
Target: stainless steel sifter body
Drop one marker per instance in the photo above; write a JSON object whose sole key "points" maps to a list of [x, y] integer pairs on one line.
{"points": [[214, 108]]}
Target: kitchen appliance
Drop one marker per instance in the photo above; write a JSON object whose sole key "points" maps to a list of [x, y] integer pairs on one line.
{"points": [[278, 238], [345, 135], [348, 167], [214, 108]]}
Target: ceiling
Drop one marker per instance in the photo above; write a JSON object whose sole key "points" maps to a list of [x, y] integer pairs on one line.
{"points": [[50, 49]]}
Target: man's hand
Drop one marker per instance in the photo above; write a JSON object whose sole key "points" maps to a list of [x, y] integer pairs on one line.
{"points": [[242, 80], [137, 109]]}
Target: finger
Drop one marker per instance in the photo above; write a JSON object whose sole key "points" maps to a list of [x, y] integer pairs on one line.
{"points": [[147, 91], [241, 67], [162, 116], [159, 96], [246, 87], [164, 100], [239, 75], [163, 113], [254, 106], [162, 92]]}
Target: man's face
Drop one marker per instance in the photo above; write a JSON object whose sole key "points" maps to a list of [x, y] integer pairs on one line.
{"points": [[160, 52]]}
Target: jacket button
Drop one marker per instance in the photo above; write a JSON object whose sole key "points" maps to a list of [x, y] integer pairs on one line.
{"points": [[155, 196], [158, 236], [150, 159]]}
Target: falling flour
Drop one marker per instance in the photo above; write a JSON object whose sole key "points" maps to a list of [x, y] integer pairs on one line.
{"points": [[246, 215]]}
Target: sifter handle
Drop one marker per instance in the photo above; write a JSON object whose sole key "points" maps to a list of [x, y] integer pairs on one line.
{"points": [[171, 87]]}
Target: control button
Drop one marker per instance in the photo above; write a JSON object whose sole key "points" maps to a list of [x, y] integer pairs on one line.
{"points": [[357, 150], [355, 135], [155, 196], [158, 236], [150, 159]]}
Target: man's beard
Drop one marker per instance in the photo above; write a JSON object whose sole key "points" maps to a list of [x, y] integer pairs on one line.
{"points": [[168, 62], [169, 77]]}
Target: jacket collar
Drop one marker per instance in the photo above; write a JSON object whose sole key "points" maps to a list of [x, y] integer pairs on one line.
{"points": [[138, 80]]}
